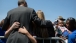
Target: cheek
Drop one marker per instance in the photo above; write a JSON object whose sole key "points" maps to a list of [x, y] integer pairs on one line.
{"points": [[59, 24], [67, 25], [62, 24]]}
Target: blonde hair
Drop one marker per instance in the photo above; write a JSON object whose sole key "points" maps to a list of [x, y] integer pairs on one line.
{"points": [[40, 14], [41, 32]]}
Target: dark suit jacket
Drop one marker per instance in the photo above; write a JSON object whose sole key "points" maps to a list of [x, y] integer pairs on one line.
{"points": [[25, 16]]}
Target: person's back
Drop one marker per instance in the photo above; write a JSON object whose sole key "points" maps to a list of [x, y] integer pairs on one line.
{"points": [[22, 15]]}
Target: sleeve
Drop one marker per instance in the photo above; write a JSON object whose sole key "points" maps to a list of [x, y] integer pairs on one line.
{"points": [[71, 38], [38, 21], [6, 23]]}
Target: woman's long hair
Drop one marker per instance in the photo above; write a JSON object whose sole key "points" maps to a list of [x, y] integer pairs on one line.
{"points": [[72, 23], [40, 31]]}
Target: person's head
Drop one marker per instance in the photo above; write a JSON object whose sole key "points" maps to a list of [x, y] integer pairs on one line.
{"points": [[22, 3], [60, 23], [70, 23], [56, 24], [61, 18], [1, 23], [40, 15]]}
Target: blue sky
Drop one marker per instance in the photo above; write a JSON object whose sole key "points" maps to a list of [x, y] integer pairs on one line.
{"points": [[51, 8]]}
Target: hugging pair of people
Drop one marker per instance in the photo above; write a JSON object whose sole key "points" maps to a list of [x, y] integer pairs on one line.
{"points": [[37, 31]]}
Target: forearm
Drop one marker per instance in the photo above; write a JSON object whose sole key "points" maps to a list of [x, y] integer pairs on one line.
{"points": [[33, 40], [8, 32]]}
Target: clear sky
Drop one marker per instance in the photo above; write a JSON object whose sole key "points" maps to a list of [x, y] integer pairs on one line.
{"points": [[51, 8]]}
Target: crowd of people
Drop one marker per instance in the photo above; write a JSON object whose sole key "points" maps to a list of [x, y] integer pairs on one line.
{"points": [[66, 30], [23, 25]]}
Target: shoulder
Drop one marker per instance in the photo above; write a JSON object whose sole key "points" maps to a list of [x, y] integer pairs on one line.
{"points": [[72, 35], [30, 9], [10, 11]]}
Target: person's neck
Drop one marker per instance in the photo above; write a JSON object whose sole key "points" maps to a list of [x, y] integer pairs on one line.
{"points": [[21, 5]]}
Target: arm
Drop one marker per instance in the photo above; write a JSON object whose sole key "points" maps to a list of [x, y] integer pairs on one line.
{"points": [[68, 30], [24, 31], [14, 26], [33, 40], [8, 32], [38, 21]]}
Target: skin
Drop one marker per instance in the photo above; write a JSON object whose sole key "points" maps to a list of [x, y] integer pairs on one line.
{"points": [[61, 23], [21, 30]]}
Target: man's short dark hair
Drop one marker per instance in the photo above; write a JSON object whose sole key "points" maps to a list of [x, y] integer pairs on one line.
{"points": [[21, 2]]}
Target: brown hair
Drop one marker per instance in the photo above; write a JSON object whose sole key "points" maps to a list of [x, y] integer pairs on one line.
{"points": [[5, 27], [2, 22]]}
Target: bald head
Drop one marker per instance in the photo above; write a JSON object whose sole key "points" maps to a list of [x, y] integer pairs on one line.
{"points": [[22, 2]]}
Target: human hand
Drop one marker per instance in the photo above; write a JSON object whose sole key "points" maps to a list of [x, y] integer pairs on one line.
{"points": [[15, 25], [23, 30]]}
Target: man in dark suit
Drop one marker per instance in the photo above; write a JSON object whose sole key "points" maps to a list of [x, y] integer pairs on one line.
{"points": [[24, 16]]}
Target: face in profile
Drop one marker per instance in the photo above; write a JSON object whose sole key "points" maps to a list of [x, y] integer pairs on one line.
{"points": [[67, 24]]}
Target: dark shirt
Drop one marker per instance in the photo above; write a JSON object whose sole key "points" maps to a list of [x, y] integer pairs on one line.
{"points": [[2, 34]]}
